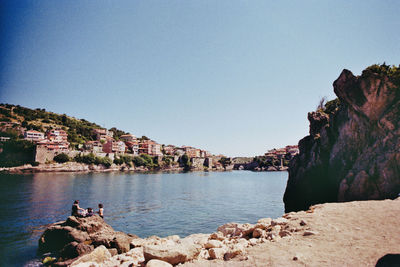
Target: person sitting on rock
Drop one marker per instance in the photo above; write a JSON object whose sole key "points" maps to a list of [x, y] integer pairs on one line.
{"points": [[89, 212], [76, 209], [101, 211]]}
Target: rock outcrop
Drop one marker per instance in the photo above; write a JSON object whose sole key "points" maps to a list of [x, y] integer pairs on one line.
{"points": [[79, 236], [352, 152]]}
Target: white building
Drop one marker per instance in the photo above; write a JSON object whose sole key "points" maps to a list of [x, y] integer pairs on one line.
{"points": [[33, 135]]}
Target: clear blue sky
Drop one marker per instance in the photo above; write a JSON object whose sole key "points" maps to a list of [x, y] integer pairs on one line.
{"points": [[232, 77]]}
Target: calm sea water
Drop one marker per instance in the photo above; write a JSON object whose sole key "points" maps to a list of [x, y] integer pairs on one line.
{"points": [[143, 204]]}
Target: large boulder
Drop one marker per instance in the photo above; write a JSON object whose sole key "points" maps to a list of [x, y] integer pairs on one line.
{"points": [[79, 236], [172, 253], [158, 263], [352, 150], [58, 235], [98, 255]]}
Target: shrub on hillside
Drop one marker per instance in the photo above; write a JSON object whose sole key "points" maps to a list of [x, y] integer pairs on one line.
{"points": [[105, 161], [392, 72], [61, 158], [118, 161], [144, 160], [87, 159]]}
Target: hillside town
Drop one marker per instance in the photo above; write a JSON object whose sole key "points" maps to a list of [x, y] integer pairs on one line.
{"points": [[52, 142], [55, 141], [104, 144], [276, 159]]}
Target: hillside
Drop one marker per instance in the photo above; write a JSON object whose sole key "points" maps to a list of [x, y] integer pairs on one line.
{"points": [[79, 130]]}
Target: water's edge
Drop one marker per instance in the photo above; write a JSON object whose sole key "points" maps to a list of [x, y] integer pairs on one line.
{"points": [[141, 204]]}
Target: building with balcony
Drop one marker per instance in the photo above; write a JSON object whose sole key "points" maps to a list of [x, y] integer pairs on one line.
{"points": [[53, 145], [34, 136], [191, 151], [112, 146], [103, 134], [133, 147], [128, 138], [169, 150], [149, 147], [94, 146], [57, 135]]}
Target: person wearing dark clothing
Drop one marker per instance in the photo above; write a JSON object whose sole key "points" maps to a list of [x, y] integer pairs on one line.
{"points": [[76, 209]]}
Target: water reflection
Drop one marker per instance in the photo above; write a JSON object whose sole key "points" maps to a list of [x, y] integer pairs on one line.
{"points": [[143, 204]]}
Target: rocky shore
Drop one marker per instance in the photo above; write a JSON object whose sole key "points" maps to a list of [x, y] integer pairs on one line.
{"points": [[332, 234], [81, 167]]}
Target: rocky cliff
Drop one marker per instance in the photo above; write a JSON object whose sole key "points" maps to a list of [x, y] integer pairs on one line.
{"points": [[353, 149]]}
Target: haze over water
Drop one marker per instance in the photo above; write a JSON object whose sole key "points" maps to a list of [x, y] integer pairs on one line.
{"points": [[143, 204]]}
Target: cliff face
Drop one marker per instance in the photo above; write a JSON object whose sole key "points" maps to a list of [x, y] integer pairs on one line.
{"points": [[353, 150]]}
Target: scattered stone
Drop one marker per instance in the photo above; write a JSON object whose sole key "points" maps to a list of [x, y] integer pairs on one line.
{"points": [[257, 233], [174, 254], [245, 243], [199, 239], [87, 264], [266, 221], [253, 241], [279, 221], [308, 233], [113, 251], [217, 253], [203, 255], [98, 255], [276, 228], [273, 237], [284, 233], [234, 250], [137, 242], [218, 236], [243, 258], [213, 244], [295, 258], [174, 238], [121, 242], [136, 255], [158, 263], [236, 229], [303, 223]]}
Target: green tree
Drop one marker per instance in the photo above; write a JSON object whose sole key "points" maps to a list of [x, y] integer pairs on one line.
{"points": [[118, 161], [105, 161], [16, 153], [88, 159], [225, 161], [185, 160], [144, 160], [61, 158]]}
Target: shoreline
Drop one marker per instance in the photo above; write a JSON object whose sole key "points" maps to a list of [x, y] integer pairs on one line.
{"points": [[356, 233], [74, 167]]}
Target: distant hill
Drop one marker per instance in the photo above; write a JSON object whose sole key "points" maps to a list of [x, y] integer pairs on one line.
{"points": [[79, 130]]}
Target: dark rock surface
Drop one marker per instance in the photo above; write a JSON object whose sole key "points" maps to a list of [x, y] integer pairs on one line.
{"points": [[78, 236], [353, 150]]}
